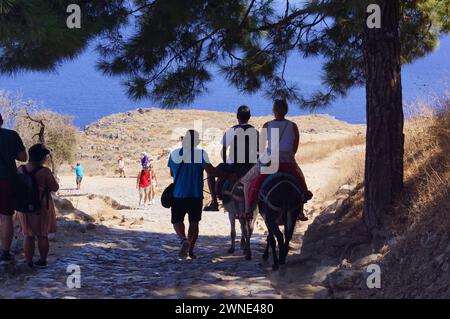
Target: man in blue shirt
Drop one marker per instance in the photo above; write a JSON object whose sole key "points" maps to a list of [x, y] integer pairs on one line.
{"points": [[187, 165], [79, 175]]}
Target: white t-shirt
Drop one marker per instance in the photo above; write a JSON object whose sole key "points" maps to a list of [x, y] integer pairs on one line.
{"points": [[247, 148]]}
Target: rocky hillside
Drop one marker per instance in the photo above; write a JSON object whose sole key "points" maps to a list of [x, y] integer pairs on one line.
{"points": [[158, 131]]}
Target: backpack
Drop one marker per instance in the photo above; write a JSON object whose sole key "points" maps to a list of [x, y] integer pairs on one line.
{"points": [[28, 200]]}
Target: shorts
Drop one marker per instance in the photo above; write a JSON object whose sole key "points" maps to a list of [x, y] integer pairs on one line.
{"points": [[144, 190], [7, 201], [191, 206], [153, 183], [79, 179]]}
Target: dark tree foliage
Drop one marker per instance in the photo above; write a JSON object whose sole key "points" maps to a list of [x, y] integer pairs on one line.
{"points": [[34, 35], [170, 54], [168, 50]]}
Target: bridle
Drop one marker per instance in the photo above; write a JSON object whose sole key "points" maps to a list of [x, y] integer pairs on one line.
{"points": [[265, 197]]}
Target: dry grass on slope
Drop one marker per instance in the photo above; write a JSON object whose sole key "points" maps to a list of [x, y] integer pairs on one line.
{"points": [[416, 261], [314, 151], [418, 265]]}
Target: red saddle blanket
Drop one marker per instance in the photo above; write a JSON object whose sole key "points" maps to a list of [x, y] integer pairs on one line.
{"points": [[290, 168]]}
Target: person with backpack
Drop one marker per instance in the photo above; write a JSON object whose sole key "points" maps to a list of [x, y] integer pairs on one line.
{"points": [[36, 208], [239, 152], [11, 149]]}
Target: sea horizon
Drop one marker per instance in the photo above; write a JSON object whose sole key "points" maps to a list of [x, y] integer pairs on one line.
{"points": [[76, 88]]}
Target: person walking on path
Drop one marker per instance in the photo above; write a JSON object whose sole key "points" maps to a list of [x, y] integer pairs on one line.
{"points": [[121, 167], [39, 224], [186, 166], [79, 175], [143, 185], [11, 149], [153, 184]]}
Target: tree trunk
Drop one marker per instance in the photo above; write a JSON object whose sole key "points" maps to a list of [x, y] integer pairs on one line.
{"points": [[385, 139]]}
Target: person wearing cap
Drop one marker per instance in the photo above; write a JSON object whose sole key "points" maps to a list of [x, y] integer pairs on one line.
{"points": [[39, 225], [143, 185], [187, 166], [11, 149]]}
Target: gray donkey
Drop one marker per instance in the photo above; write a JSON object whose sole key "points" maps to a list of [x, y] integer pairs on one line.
{"points": [[280, 200], [233, 202]]}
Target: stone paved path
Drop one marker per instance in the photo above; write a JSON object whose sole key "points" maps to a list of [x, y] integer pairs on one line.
{"points": [[141, 261]]}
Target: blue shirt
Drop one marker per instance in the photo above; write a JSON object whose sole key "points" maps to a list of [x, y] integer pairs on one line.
{"points": [[79, 171], [190, 180]]}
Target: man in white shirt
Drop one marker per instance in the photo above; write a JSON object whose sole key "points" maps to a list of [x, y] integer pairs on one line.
{"points": [[239, 152]]}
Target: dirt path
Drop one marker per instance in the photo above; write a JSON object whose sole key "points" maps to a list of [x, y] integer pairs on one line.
{"points": [[138, 259]]}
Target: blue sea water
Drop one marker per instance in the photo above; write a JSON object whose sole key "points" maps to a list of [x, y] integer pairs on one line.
{"points": [[76, 88]]}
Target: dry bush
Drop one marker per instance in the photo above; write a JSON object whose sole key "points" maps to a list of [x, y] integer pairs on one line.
{"points": [[351, 171], [60, 134], [417, 265], [23, 116], [314, 151], [427, 145]]}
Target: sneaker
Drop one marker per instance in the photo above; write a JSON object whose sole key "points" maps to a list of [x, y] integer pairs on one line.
{"points": [[41, 264], [184, 249], [212, 207], [6, 256]]}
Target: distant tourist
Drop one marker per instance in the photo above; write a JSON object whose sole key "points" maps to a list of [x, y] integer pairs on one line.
{"points": [[79, 175], [186, 166], [40, 222], [11, 149], [239, 152], [121, 167], [143, 185], [153, 184]]}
